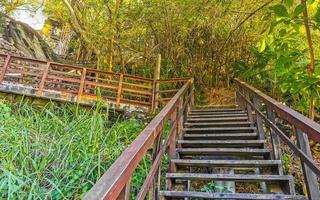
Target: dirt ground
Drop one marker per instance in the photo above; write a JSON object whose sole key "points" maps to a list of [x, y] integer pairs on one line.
{"points": [[219, 97]]}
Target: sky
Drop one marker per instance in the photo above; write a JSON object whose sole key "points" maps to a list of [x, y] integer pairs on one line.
{"points": [[34, 19]]}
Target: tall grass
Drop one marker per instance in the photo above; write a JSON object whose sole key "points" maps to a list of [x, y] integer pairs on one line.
{"points": [[58, 152]]}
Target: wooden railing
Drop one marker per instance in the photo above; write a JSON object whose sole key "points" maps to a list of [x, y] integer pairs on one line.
{"points": [[115, 183], [81, 84], [267, 114]]}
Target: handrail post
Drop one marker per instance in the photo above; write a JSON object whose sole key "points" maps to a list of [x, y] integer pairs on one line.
{"points": [[82, 82], [259, 122], [248, 107], [180, 115], [275, 140], [154, 188], [5, 67], [125, 193], [156, 84], [172, 145], [119, 93], [43, 79], [310, 177]]}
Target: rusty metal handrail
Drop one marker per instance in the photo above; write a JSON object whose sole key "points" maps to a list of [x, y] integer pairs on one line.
{"points": [[85, 84], [115, 182], [252, 99]]}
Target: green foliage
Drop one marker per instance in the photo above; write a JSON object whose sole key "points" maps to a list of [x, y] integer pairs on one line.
{"points": [[282, 57], [59, 152], [286, 161], [212, 188]]}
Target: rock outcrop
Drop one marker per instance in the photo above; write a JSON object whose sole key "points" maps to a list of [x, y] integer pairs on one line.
{"points": [[20, 39]]}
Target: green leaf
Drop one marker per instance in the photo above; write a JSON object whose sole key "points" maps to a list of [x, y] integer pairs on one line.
{"points": [[280, 10], [316, 16], [298, 10], [262, 45], [288, 2]]}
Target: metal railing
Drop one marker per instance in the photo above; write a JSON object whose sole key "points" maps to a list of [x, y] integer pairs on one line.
{"points": [[81, 85], [267, 113], [115, 183]]}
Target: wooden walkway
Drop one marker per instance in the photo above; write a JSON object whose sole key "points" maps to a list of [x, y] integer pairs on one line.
{"points": [[81, 85], [214, 153]]}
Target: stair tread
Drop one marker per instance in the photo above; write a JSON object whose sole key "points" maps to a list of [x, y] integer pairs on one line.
{"points": [[220, 136], [230, 177], [231, 163], [220, 128], [238, 196], [218, 119], [224, 151], [221, 141], [216, 123], [215, 109], [217, 116], [216, 113]]}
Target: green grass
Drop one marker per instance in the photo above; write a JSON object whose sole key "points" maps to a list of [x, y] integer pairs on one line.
{"points": [[59, 152]]}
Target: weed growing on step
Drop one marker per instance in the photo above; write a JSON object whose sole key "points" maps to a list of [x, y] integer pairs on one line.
{"points": [[212, 187], [53, 153]]}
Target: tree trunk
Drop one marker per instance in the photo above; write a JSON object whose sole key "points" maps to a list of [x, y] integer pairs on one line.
{"points": [[311, 68]]}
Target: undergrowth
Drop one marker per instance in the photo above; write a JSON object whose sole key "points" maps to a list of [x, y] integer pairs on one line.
{"points": [[59, 152]]}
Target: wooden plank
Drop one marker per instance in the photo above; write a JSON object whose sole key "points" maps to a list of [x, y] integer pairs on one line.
{"points": [[5, 67], [221, 136], [230, 177], [119, 93], [213, 124], [227, 163], [222, 143], [82, 84], [310, 178], [217, 116], [224, 151], [217, 119], [43, 79], [237, 196]]}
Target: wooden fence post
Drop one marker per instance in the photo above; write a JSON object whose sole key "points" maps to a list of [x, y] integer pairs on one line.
{"points": [[82, 82], [310, 177], [156, 85], [5, 67], [275, 140], [154, 188], [259, 122], [119, 93], [125, 193], [248, 106], [43, 79], [172, 146]]}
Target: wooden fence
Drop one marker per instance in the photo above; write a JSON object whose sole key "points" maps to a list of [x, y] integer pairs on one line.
{"points": [[82, 85], [272, 115]]}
